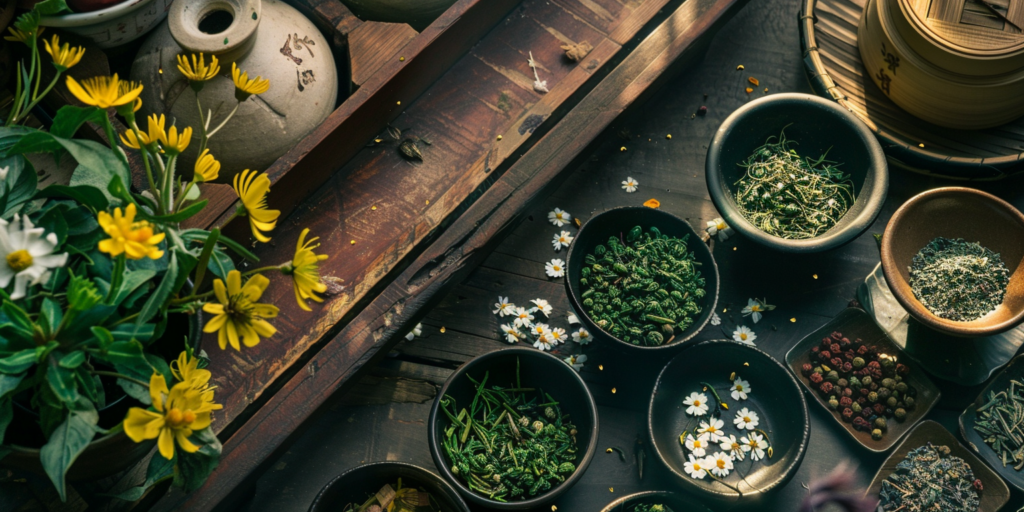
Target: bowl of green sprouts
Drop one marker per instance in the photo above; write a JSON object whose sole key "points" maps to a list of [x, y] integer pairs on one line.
{"points": [[796, 173]]}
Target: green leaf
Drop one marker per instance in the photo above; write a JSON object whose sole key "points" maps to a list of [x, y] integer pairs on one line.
{"points": [[85, 194], [126, 353], [9, 383], [51, 7], [97, 164], [50, 315], [194, 468], [67, 442], [160, 366], [70, 118], [6, 415], [163, 291], [19, 186], [53, 222], [117, 189], [91, 386], [159, 469], [175, 218], [62, 383], [72, 360], [132, 280], [198, 235], [36, 142], [18, 362], [18, 316], [82, 222], [126, 332]]}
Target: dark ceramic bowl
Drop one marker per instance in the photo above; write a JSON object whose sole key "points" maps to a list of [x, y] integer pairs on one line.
{"points": [[775, 396], [956, 212], [995, 494], [676, 502], [818, 126], [855, 323], [536, 369], [359, 483], [619, 221], [1014, 371]]}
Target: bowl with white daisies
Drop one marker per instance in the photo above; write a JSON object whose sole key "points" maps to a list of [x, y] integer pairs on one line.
{"points": [[728, 421]]}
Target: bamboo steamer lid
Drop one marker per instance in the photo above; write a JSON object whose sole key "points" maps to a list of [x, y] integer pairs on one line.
{"points": [[966, 74]]}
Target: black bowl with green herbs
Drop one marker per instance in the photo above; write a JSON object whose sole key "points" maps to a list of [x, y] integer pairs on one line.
{"points": [[358, 488], [992, 424], [641, 277], [796, 173], [655, 501], [513, 429]]}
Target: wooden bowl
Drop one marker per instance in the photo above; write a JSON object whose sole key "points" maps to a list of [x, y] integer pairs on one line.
{"points": [[775, 396], [1015, 371], [956, 212], [677, 502], [619, 221], [855, 323], [357, 484], [537, 369], [995, 493], [818, 126]]}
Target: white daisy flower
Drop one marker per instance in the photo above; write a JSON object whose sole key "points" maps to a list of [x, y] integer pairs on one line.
{"points": [[544, 342], [720, 464], [695, 468], [524, 318], [755, 444], [743, 334], [715, 319], [555, 268], [573, 320], [558, 335], [753, 309], [504, 307], [697, 445], [733, 447], [559, 217], [27, 255], [630, 185], [720, 228], [542, 305], [746, 419], [713, 428], [562, 240], [576, 361], [582, 336], [698, 404], [416, 331], [541, 330], [739, 389], [511, 333]]}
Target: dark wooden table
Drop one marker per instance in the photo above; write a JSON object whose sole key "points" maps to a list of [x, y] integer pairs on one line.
{"points": [[384, 416]]}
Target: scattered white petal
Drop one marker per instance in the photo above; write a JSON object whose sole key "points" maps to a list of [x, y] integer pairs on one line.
{"points": [[746, 419], [720, 228], [720, 464], [712, 427], [698, 404], [715, 319], [542, 305], [739, 389], [561, 240], [743, 334], [576, 362], [630, 185], [524, 318], [559, 217], [503, 307], [555, 268], [582, 336], [512, 334], [416, 331]]}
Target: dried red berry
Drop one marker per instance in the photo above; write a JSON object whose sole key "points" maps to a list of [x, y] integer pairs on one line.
{"points": [[835, 348], [824, 355], [862, 401], [826, 387], [814, 350], [879, 409], [847, 392], [861, 423], [978, 485], [847, 414], [874, 365], [847, 366], [836, 335], [845, 401], [862, 350], [807, 369], [816, 378], [902, 369], [844, 342]]}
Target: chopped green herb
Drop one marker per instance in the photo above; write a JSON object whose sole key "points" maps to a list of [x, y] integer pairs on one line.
{"points": [[958, 280]]}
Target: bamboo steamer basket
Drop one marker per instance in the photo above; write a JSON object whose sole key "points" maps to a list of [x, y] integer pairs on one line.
{"points": [[949, 62]]}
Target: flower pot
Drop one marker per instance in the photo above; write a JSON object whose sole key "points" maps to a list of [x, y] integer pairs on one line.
{"points": [[115, 25], [264, 37]]}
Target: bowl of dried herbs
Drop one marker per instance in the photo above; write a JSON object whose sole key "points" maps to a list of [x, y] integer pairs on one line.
{"points": [[513, 429], [383, 486], [642, 278], [796, 173], [655, 501], [951, 257], [993, 423]]}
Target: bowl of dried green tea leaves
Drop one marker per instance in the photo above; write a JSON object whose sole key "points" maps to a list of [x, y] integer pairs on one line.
{"points": [[655, 501], [796, 173]]}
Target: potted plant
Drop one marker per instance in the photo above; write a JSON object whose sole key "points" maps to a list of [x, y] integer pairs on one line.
{"points": [[91, 272]]}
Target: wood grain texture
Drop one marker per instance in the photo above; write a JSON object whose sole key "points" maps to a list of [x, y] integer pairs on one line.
{"points": [[373, 44]]}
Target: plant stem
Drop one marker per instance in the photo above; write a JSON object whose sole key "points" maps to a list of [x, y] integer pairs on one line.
{"points": [[224, 122], [120, 376], [263, 269]]}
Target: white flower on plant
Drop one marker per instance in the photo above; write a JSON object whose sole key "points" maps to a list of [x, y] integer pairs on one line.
{"points": [[582, 336], [720, 228], [695, 467], [573, 320], [696, 445], [558, 335], [559, 217], [555, 268], [416, 331], [743, 334], [715, 319], [755, 444], [576, 362], [541, 330], [543, 342], [28, 255], [630, 185], [511, 333], [562, 239], [504, 307], [739, 389], [524, 318], [698, 404], [746, 419], [542, 306], [713, 428], [720, 464], [733, 447]]}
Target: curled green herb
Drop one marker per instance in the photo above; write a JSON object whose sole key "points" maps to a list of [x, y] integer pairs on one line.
{"points": [[929, 478], [1000, 423], [408, 499], [792, 197], [958, 280], [649, 507]]}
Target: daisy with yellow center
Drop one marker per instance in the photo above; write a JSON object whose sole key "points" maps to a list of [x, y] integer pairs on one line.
{"points": [[175, 416], [103, 91], [135, 240], [64, 56], [149, 138], [252, 188], [196, 71], [207, 167], [237, 315], [305, 271], [244, 87]]}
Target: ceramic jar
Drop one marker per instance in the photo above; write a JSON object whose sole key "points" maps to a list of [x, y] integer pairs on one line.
{"points": [[264, 37], [114, 25]]}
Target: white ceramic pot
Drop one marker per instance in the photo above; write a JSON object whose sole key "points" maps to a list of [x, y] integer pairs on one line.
{"points": [[115, 25], [264, 37]]}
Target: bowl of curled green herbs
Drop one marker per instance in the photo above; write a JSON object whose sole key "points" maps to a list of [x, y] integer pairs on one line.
{"points": [[513, 429], [642, 278], [655, 501], [796, 173]]}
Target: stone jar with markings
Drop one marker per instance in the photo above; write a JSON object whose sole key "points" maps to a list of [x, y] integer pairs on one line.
{"points": [[264, 37]]}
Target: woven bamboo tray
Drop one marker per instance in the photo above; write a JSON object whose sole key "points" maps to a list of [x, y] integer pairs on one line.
{"points": [[828, 37]]}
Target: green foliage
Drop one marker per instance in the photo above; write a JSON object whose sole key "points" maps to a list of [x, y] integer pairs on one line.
{"points": [[68, 441]]}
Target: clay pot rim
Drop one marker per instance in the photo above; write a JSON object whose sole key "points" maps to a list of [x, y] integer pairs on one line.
{"points": [[88, 18], [905, 296]]}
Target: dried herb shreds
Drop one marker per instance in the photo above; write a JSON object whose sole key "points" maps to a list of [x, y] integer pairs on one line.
{"points": [[1000, 422], [930, 479], [653, 507], [642, 288], [958, 280], [790, 196]]}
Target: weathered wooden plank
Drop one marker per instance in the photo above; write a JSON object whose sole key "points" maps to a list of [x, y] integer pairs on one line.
{"points": [[373, 44]]}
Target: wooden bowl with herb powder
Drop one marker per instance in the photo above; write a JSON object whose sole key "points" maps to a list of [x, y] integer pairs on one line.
{"points": [[962, 216], [796, 173]]}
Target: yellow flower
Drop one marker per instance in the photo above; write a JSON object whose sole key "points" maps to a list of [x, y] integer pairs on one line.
{"points": [[21, 36], [135, 239], [171, 143], [178, 413], [197, 72], [238, 315], [156, 130], [252, 188], [207, 167], [65, 56], [245, 87], [186, 369], [102, 91], [305, 271], [124, 87]]}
